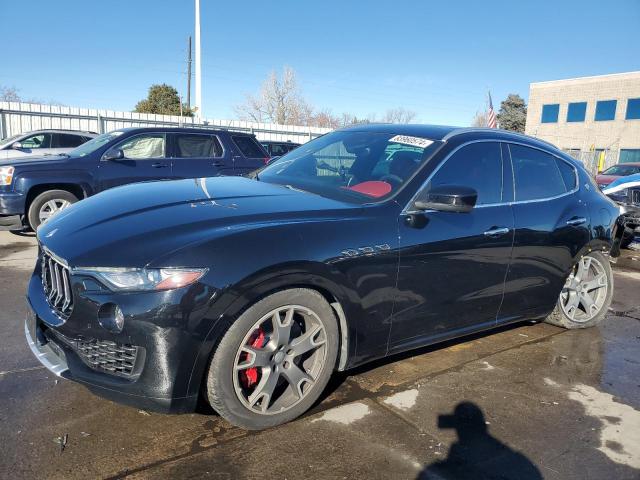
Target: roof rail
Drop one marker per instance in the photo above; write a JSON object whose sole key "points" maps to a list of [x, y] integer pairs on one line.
{"points": [[459, 131]]}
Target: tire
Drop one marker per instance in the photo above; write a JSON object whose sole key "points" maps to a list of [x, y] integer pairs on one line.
{"points": [[627, 239], [603, 294], [62, 198], [230, 390]]}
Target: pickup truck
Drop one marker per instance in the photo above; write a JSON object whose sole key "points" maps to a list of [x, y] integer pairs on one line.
{"points": [[34, 189]]}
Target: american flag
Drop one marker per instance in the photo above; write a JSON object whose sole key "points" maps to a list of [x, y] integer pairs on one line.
{"points": [[492, 121]]}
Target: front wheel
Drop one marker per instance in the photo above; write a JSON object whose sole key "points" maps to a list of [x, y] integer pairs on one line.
{"points": [[586, 295], [48, 204], [275, 360]]}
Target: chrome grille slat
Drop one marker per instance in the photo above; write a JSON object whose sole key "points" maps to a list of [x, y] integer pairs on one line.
{"points": [[635, 196], [56, 281]]}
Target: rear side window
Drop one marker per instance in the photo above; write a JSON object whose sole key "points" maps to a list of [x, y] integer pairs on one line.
{"points": [[537, 174], [278, 149], [568, 174], [192, 146], [65, 140], [248, 146], [479, 166]]}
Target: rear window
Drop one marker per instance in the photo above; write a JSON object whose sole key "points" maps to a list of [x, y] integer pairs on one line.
{"points": [[248, 146]]}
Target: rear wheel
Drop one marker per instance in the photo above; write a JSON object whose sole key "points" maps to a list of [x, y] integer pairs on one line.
{"points": [[275, 360], [48, 204], [586, 295]]}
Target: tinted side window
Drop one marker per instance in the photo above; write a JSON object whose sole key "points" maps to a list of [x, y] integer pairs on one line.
{"points": [[568, 174], [248, 146], [536, 174], [190, 145], [479, 166], [64, 140], [278, 149]]}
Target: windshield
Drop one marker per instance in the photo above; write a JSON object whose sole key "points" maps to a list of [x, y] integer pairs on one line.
{"points": [[622, 170], [94, 144], [353, 166], [8, 140]]}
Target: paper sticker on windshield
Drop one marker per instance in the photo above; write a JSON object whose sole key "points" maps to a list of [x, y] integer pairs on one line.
{"points": [[413, 141]]}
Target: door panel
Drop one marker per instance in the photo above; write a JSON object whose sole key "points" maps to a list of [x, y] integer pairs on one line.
{"points": [[145, 159], [453, 265], [549, 232]]}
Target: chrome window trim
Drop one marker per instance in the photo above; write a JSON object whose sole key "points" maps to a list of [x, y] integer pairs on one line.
{"points": [[406, 210], [164, 146], [224, 151]]}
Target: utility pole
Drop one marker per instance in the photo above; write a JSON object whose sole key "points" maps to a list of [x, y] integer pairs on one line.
{"points": [[199, 113], [189, 73]]}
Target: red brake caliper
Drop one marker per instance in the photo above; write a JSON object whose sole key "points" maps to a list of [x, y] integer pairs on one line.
{"points": [[249, 377]]}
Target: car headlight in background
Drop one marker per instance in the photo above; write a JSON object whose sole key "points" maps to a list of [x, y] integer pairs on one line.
{"points": [[142, 279], [6, 175]]}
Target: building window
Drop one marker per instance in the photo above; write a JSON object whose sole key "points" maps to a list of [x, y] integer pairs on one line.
{"points": [[576, 112], [633, 109], [605, 110], [629, 155], [550, 113]]}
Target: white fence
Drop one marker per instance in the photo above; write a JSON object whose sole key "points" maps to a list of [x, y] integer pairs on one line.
{"points": [[17, 118]]}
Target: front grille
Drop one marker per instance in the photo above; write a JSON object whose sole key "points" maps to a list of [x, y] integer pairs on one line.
{"points": [[56, 281], [109, 356], [635, 197]]}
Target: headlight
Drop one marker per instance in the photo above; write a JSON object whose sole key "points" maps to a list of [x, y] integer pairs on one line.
{"points": [[136, 279], [6, 175]]}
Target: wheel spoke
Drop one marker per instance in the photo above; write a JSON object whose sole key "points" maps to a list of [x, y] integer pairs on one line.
{"points": [[282, 328], [264, 391], [296, 377], [583, 267], [597, 282], [588, 303], [257, 357], [307, 341]]}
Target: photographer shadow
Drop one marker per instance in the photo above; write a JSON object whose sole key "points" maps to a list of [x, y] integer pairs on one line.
{"points": [[476, 454]]}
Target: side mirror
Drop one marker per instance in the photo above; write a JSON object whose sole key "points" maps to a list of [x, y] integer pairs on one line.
{"points": [[113, 154], [447, 198], [16, 146]]}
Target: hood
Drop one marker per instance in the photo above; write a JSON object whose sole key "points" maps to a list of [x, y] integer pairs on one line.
{"points": [[134, 225], [17, 161], [606, 179], [622, 183]]}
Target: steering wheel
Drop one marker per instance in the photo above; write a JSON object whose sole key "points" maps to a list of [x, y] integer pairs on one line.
{"points": [[394, 180]]}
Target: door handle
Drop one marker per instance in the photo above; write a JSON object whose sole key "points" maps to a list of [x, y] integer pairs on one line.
{"points": [[575, 221], [218, 164], [159, 165], [496, 232]]}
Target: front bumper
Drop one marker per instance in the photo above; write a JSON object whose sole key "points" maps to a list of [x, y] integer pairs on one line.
{"points": [[12, 203], [161, 341]]}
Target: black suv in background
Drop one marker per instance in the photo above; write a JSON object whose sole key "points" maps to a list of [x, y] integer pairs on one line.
{"points": [[34, 189], [277, 149]]}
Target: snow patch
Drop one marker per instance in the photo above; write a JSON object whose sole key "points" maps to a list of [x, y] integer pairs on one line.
{"points": [[345, 414], [403, 400], [620, 433], [488, 366], [551, 383]]}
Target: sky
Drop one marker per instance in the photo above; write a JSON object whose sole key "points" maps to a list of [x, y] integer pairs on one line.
{"points": [[362, 57]]}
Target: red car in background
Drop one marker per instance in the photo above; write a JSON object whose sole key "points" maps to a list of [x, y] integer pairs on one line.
{"points": [[613, 173]]}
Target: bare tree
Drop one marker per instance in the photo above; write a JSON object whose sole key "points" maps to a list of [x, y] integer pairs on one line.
{"points": [[398, 115], [479, 120], [279, 101], [9, 94]]}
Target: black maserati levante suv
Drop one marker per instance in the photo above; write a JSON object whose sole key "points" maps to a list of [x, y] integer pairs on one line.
{"points": [[249, 292]]}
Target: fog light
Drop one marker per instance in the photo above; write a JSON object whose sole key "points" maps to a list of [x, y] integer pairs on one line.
{"points": [[110, 316]]}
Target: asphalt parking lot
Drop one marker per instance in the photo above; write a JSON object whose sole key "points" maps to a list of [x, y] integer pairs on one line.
{"points": [[528, 401]]}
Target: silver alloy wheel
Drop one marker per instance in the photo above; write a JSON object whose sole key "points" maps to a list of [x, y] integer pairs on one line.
{"points": [[585, 291], [280, 359], [52, 207]]}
